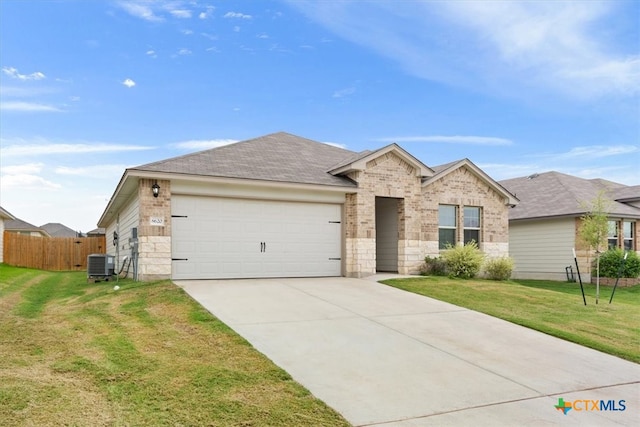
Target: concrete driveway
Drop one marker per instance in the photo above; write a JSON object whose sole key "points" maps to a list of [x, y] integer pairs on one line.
{"points": [[382, 356]]}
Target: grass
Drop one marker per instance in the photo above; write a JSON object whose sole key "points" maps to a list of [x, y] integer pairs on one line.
{"points": [[85, 355], [555, 308]]}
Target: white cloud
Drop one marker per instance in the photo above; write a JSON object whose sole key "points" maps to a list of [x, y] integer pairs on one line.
{"points": [[237, 15], [208, 13], [13, 91], [209, 36], [28, 107], [344, 92], [455, 139], [187, 32], [156, 10], [13, 73], [26, 181], [94, 171], [129, 83], [184, 51], [27, 168], [553, 43], [572, 48], [500, 171], [140, 9], [595, 152], [152, 53], [181, 13], [45, 148], [203, 144]]}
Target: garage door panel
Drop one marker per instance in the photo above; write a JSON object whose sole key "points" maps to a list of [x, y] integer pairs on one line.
{"points": [[222, 238]]}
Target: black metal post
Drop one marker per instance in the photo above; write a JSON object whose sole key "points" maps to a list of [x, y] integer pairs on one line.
{"points": [[624, 260], [575, 258]]}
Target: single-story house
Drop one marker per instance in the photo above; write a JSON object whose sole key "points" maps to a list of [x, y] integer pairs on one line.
{"points": [[4, 216], [544, 227], [285, 206], [96, 232], [55, 229], [19, 226]]}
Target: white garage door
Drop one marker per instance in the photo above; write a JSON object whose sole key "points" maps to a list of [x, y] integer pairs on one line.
{"points": [[215, 238]]}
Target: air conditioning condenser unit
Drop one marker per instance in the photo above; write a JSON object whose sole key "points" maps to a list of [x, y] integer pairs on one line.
{"points": [[100, 266]]}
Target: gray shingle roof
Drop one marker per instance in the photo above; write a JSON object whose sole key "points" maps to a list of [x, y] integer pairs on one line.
{"points": [[627, 193], [20, 225], [553, 194], [55, 229], [279, 157], [440, 168]]}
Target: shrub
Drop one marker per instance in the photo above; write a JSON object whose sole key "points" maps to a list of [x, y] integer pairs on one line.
{"points": [[499, 268], [610, 263], [463, 261], [434, 267]]}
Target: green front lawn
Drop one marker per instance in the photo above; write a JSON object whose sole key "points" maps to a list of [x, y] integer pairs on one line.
{"points": [[555, 308], [74, 353]]}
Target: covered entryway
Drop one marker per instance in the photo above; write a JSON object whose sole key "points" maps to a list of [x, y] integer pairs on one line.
{"points": [[387, 234], [216, 238]]}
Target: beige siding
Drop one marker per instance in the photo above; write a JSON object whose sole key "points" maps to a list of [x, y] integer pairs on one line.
{"points": [[542, 249], [129, 218]]}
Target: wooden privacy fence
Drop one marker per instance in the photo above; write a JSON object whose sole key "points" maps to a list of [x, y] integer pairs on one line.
{"points": [[51, 253]]}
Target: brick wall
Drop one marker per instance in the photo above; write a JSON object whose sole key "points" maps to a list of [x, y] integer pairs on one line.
{"points": [[154, 237], [386, 176], [463, 188]]}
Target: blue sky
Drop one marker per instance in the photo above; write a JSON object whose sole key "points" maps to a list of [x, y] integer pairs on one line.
{"points": [[88, 88]]}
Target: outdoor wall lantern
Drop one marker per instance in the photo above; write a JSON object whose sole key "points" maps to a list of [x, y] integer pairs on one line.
{"points": [[156, 189]]}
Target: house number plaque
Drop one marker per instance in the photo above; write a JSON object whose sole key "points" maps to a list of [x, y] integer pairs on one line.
{"points": [[157, 221]]}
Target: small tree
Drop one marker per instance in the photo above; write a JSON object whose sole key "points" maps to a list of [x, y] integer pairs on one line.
{"points": [[594, 230]]}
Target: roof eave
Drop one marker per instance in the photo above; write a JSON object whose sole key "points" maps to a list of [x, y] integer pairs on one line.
{"points": [[129, 183]]}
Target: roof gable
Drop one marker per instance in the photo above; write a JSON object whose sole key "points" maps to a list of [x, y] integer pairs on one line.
{"points": [[359, 162], [442, 171], [279, 157], [552, 194]]}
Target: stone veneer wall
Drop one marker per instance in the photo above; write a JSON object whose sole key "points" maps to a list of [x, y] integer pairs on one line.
{"points": [[154, 241], [386, 176], [463, 188]]}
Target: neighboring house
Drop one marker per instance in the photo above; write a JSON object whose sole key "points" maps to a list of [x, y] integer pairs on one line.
{"points": [[23, 227], [4, 216], [55, 229], [285, 206], [96, 232], [544, 227]]}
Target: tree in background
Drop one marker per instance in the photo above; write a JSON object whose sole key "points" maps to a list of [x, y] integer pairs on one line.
{"points": [[594, 229]]}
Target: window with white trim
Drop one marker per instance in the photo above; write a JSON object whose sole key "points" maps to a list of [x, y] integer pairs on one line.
{"points": [[612, 234], [471, 224], [628, 234], [447, 225]]}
